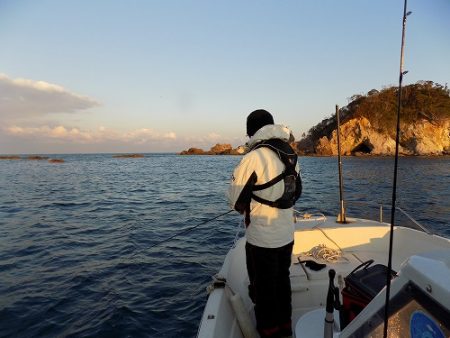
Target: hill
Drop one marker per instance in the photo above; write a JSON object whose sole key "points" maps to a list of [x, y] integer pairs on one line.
{"points": [[368, 123]]}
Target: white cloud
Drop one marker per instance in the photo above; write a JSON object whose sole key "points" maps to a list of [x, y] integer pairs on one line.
{"points": [[24, 98], [63, 138], [26, 108], [211, 139], [100, 135], [213, 136], [171, 136]]}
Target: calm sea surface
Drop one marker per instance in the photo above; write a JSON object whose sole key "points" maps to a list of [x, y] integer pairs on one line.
{"points": [[77, 239]]}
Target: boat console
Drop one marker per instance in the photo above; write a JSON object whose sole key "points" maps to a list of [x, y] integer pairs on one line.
{"points": [[419, 304]]}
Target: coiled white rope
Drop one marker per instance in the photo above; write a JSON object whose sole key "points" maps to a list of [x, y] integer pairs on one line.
{"points": [[321, 252], [318, 216]]}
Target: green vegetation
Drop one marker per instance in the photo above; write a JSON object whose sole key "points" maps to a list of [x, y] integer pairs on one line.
{"points": [[422, 100]]}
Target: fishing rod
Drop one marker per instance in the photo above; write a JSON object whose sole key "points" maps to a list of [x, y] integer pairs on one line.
{"points": [[188, 229], [342, 218], [394, 188]]}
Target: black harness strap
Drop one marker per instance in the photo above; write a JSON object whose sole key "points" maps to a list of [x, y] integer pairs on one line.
{"points": [[274, 204], [289, 158], [268, 184]]}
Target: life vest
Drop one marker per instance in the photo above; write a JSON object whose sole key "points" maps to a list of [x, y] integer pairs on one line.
{"points": [[291, 178]]}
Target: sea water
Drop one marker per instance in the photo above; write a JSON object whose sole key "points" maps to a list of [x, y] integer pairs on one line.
{"points": [[82, 251]]}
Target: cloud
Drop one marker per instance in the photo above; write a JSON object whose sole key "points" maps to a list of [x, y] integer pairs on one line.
{"points": [[20, 139], [24, 98], [212, 138], [145, 135], [100, 135]]}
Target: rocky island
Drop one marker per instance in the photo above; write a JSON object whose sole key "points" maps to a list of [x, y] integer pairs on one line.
{"points": [[368, 124], [218, 149], [56, 160], [10, 157], [31, 158], [128, 156], [37, 158]]}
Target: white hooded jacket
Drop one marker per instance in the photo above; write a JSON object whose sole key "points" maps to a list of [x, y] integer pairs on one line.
{"points": [[269, 227]]}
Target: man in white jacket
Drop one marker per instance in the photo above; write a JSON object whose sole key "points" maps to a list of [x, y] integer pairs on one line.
{"points": [[264, 187]]}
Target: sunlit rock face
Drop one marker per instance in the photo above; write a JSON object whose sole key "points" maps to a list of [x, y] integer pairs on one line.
{"points": [[221, 149], [359, 137], [218, 149]]}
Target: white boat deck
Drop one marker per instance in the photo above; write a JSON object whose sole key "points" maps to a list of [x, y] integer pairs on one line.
{"points": [[357, 241]]}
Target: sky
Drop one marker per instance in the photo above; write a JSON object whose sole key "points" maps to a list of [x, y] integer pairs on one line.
{"points": [[95, 76]]}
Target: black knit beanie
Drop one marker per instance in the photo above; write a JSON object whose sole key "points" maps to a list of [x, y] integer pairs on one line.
{"points": [[258, 119]]}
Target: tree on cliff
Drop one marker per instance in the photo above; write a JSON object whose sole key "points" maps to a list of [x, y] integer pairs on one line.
{"points": [[422, 100]]}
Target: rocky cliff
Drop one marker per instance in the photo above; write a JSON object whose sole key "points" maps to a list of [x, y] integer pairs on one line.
{"points": [[368, 124], [359, 137]]}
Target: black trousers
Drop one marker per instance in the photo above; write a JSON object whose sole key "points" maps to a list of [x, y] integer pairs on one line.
{"points": [[270, 288]]}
